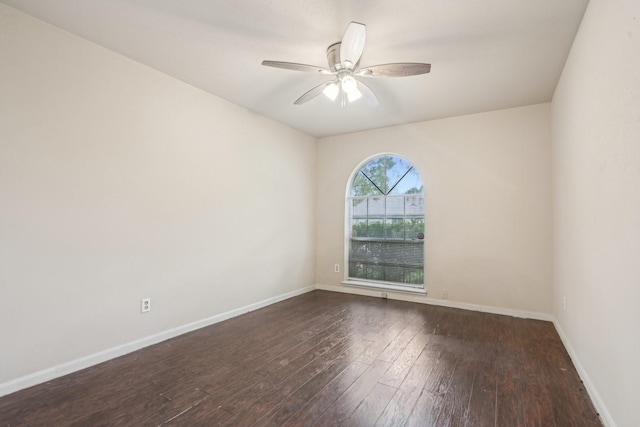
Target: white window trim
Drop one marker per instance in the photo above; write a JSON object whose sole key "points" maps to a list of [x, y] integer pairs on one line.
{"points": [[385, 285]]}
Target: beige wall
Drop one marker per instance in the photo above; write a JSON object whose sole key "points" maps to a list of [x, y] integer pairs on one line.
{"points": [[118, 182], [596, 181], [487, 199]]}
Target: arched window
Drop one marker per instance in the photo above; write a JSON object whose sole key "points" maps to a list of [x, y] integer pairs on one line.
{"points": [[386, 224]]}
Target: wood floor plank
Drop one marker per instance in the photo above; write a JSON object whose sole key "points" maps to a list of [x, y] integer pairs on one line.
{"points": [[370, 409], [255, 403], [338, 364], [538, 411], [403, 401], [482, 402], [563, 384], [401, 366], [380, 342], [289, 394], [205, 413], [509, 376], [280, 414], [397, 345], [430, 401], [326, 358], [348, 402], [220, 390], [314, 409], [455, 401], [293, 356]]}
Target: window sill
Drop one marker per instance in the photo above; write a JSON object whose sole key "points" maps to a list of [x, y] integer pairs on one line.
{"points": [[385, 286]]}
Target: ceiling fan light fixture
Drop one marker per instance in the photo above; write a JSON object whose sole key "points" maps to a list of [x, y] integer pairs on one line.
{"points": [[354, 95], [348, 83], [331, 91]]}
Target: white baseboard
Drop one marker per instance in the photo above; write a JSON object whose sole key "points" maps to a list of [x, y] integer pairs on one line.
{"points": [[423, 299], [111, 353], [605, 416]]}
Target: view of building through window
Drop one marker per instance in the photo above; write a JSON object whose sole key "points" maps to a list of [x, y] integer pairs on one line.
{"points": [[386, 233]]}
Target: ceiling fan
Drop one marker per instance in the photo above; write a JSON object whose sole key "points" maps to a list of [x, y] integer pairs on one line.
{"points": [[344, 65]]}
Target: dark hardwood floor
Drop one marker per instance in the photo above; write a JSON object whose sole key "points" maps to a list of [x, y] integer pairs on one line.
{"points": [[327, 359]]}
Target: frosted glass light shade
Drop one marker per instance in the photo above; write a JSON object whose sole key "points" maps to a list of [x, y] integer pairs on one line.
{"points": [[331, 91], [354, 94], [348, 84]]}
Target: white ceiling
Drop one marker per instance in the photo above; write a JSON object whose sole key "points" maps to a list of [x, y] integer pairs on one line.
{"points": [[485, 54]]}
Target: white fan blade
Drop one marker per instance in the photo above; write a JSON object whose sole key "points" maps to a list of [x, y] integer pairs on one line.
{"points": [[367, 94], [353, 43], [312, 93], [395, 70], [297, 67]]}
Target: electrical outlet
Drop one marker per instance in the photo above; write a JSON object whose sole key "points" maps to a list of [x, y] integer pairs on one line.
{"points": [[564, 303], [445, 294], [336, 268], [145, 305]]}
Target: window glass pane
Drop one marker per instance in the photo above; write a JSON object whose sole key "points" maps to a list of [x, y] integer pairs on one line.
{"points": [[414, 228], [393, 252], [375, 227], [359, 208], [413, 254], [357, 270], [395, 206], [363, 187], [375, 272], [359, 251], [410, 184], [394, 274], [414, 276], [414, 205], [374, 252], [394, 228], [359, 228], [396, 168], [376, 172], [376, 206]]}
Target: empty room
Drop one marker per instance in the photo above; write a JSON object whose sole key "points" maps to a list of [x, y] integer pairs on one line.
{"points": [[255, 213]]}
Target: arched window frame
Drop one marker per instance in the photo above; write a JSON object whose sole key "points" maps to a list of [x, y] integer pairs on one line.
{"points": [[351, 279]]}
